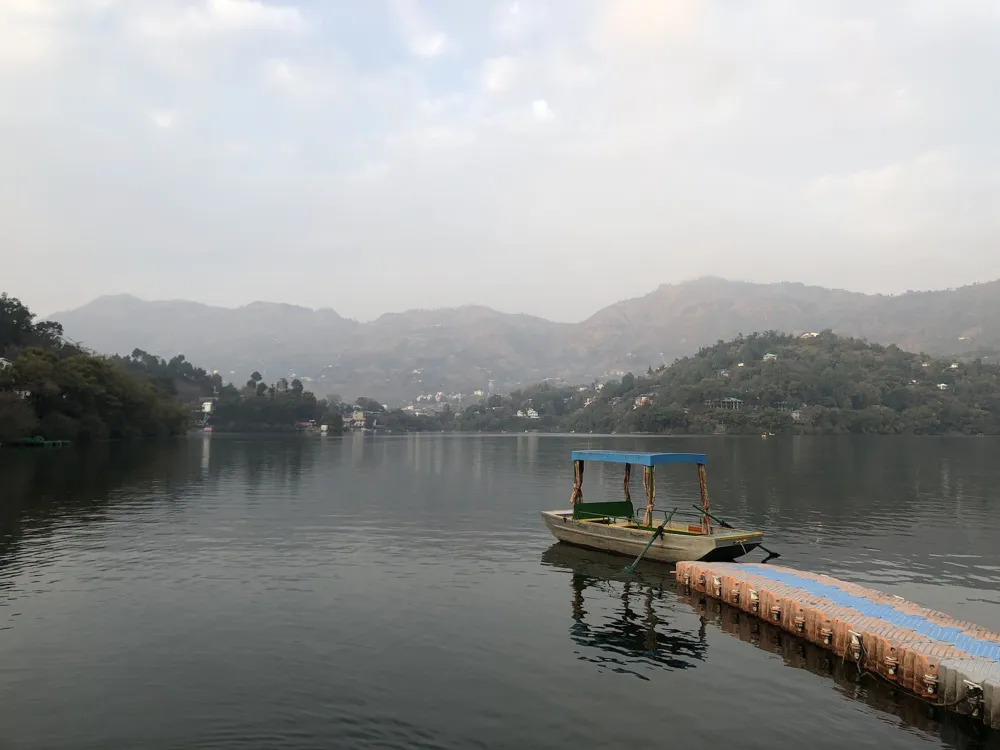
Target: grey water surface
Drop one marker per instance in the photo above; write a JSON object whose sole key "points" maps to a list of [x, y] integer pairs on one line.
{"points": [[401, 592]]}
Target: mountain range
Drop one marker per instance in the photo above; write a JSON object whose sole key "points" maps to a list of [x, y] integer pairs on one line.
{"points": [[400, 355]]}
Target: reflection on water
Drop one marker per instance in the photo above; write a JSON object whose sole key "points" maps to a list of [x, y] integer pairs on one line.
{"points": [[637, 633], [402, 592]]}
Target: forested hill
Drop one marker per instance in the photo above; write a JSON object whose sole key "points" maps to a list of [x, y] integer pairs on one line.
{"points": [[400, 356], [56, 390], [773, 382]]}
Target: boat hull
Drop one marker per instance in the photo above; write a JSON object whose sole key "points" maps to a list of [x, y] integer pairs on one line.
{"points": [[726, 545]]}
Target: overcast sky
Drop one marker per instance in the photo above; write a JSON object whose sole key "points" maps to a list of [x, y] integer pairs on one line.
{"points": [[544, 156]]}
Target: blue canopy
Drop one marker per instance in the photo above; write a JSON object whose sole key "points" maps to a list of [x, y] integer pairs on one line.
{"points": [[643, 459]]}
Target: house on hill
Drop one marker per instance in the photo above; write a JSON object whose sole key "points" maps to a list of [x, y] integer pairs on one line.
{"points": [[730, 403]]}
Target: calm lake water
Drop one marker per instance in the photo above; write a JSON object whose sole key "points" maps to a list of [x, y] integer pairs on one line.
{"points": [[402, 593]]}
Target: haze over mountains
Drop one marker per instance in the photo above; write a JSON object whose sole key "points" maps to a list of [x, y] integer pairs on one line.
{"points": [[401, 355]]}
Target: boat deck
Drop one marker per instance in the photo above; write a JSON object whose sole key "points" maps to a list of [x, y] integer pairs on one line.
{"points": [[672, 527], [947, 662]]}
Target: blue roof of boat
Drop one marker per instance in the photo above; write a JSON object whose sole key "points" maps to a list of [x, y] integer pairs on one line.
{"points": [[643, 459]]}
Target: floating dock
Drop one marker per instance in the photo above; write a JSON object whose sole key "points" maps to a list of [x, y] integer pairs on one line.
{"points": [[946, 662]]}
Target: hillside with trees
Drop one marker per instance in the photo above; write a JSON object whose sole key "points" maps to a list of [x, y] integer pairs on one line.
{"points": [[53, 389], [819, 383], [56, 390], [281, 406], [401, 355]]}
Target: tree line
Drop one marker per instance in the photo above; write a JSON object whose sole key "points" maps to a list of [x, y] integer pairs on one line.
{"points": [[764, 382], [768, 383], [54, 389], [281, 406]]}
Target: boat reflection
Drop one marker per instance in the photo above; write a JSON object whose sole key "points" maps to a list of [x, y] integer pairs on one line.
{"points": [[634, 634]]}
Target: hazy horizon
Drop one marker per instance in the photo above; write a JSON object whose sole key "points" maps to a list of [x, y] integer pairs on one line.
{"points": [[55, 313], [539, 156]]}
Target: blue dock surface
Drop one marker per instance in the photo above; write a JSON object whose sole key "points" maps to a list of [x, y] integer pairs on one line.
{"points": [[944, 661]]}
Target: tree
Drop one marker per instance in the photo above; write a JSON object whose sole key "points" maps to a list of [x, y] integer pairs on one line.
{"points": [[334, 421], [61, 392], [368, 404], [296, 386], [17, 419], [256, 377]]}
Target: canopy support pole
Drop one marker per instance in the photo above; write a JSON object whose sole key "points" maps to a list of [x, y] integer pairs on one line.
{"points": [[649, 479], [577, 496], [703, 486], [628, 477]]}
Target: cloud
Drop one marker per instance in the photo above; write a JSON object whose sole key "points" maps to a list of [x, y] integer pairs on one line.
{"points": [[515, 21], [164, 119], [215, 17], [541, 109], [627, 23], [298, 80], [775, 139], [909, 198], [498, 73], [421, 37], [24, 42], [34, 33]]}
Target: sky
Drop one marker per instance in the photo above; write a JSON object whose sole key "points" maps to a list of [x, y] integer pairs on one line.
{"points": [[539, 156]]}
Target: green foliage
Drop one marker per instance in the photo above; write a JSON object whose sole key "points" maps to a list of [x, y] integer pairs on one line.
{"points": [[19, 330], [59, 392], [81, 397], [398, 420], [368, 404], [17, 418], [819, 384], [266, 409], [176, 376]]}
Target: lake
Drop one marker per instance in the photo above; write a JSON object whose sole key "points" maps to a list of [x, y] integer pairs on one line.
{"points": [[401, 592]]}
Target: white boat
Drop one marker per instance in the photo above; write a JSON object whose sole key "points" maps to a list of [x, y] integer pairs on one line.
{"points": [[615, 527]]}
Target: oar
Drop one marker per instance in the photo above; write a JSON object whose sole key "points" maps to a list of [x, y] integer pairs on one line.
{"points": [[770, 555], [630, 569]]}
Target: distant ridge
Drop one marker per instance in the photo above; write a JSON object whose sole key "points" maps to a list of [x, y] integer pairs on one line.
{"points": [[401, 354]]}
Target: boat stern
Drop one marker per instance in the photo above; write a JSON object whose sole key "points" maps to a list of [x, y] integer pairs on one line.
{"points": [[733, 544]]}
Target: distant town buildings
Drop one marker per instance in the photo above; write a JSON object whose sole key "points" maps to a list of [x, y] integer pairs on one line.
{"points": [[730, 403]]}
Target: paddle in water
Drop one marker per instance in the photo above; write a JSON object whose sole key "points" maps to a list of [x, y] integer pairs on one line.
{"points": [[770, 555], [630, 569]]}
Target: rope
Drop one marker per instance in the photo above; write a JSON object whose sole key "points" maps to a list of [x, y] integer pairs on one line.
{"points": [[863, 659]]}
